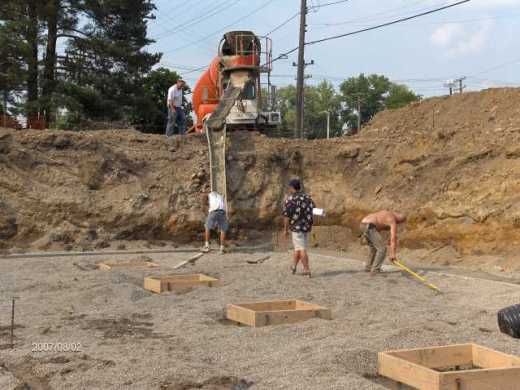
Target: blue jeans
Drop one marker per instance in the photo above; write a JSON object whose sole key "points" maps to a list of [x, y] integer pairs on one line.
{"points": [[176, 122]]}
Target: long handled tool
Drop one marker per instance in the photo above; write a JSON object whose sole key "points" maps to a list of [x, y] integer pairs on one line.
{"points": [[417, 276]]}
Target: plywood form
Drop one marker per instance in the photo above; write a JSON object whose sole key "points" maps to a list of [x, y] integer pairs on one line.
{"points": [[160, 284], [439, 368], [275, 312]]}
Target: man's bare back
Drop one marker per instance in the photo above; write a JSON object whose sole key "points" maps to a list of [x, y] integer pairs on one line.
{"points": [[386, 220]]}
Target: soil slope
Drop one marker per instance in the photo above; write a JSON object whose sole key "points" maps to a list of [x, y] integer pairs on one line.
{"points": [[452, 164]]}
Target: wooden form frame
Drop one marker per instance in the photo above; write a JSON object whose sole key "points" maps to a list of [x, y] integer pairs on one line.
{"points": [[441, 368], [275, 312], [160, 284], [108, 265]]}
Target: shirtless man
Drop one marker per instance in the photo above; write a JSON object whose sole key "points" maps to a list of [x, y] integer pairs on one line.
{"points": [[371, 225]]}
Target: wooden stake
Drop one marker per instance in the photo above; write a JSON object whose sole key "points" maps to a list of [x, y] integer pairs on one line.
{"points": [[12, 325], [259, 260], [191, 260]]}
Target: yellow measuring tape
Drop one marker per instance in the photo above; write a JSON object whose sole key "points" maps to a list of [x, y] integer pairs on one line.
{"points": [[417, 276]]}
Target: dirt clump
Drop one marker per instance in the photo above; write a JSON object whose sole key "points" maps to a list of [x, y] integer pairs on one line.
{"points": [[216, 383]]}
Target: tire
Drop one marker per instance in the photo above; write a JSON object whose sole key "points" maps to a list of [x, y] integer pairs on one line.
{"points": [[509, 321]]}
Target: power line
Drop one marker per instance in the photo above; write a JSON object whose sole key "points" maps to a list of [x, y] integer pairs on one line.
{"points": [[181, 66], [388, 23], [220, 7], [298, 14], [328, 4], [196, 70], [177, 8], [340, 78], [440, 22], [496, 67], [264, 5], [284, 55], [283, 24], [374, 17]]}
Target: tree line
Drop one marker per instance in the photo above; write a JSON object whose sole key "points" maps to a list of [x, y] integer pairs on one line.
{"points": [[372, 94], [88, 60], [87, 56]]}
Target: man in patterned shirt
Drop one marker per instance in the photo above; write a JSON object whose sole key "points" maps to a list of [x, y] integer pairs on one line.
{"points": [[297, 212]]}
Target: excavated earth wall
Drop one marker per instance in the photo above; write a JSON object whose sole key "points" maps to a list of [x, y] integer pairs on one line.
{"points": [[451, 163]]}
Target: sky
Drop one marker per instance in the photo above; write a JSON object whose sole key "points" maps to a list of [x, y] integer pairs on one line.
{"points": [[475, 39]]}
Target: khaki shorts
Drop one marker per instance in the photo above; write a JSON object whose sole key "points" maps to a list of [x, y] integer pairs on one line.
{"points": [[300, 241]]}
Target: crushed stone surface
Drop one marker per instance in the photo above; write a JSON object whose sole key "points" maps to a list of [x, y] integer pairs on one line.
{"points": [[130, 338]]}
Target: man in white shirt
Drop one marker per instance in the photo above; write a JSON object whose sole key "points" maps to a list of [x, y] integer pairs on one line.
{"points": [[176, 114], [217, 219]]}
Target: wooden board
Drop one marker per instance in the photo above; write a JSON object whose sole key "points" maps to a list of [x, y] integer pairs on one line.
{"points": [[191, 260], [177, 283], [439, 368], [275, 312], [108, 265]]}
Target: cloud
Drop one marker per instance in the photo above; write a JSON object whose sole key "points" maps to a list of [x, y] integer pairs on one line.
{"points": [[446, 34], [458, 40]]}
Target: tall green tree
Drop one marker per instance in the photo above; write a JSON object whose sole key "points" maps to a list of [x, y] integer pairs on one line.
{"points": [[20, 30], [319, 100], [105, 68], [151, 113], [100, 74], [12, 64], [372, 93], [60, 18], [32, 38], [399, 96]]}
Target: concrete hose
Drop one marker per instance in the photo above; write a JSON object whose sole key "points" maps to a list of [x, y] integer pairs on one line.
{"points": [[509, 321]]}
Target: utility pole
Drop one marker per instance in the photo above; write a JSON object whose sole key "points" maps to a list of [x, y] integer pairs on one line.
{"points": [[5, 109], [298, 131], [450, 84], [461, 86], [328, 122], [358, 113]]}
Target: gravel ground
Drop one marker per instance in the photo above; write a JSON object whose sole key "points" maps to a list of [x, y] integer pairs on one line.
{"points": [[132, 339]]}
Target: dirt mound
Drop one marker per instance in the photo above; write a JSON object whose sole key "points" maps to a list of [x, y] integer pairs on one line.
{"points": [[451, 163], [60, 189]]}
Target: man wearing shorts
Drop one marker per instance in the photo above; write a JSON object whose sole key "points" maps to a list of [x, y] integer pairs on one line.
{"points": [[217, 220], [297, 212]]}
